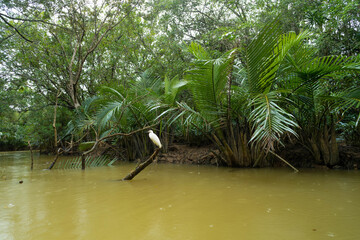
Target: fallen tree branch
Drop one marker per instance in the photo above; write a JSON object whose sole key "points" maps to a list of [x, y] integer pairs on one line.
{"points": [[59, 151], [295, 169], [141, 166]]}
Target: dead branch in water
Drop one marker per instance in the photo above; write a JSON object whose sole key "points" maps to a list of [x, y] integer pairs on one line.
{"points": [[295, 169], [59, 151], [142, 166]]}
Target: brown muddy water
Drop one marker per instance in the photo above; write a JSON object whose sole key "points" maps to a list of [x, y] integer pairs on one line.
{"points": [[175, 202]]}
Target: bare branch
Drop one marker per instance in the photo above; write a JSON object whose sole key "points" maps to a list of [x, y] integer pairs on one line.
{"points": [[18, 32], [32, 20]]}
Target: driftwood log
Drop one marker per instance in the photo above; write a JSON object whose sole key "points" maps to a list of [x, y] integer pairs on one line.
{"points": [[142, 166]]}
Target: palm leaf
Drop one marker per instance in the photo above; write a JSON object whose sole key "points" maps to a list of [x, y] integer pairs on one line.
{"points": [[172, 88], [90, 161], [207, 80], [267, 53], [270, 120], [347, 99], [112, 91], [260, 58], [109, 112], [267, 59]]}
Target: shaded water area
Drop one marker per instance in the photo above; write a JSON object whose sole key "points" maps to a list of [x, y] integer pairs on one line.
{"points": [[175, 202]]}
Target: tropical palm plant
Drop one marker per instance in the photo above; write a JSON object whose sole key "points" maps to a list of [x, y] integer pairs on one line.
{"points": [[243, 105], [126, 109], [316, 106]]}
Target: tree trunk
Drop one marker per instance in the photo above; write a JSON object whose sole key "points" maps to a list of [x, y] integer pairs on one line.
{"points": [[32, 158], [55, 159], [142, 166], [246, 151], [234, 146], [324, 150], [83, 161], [315, 150], [334, 157], [54, 122], [74, 94]]}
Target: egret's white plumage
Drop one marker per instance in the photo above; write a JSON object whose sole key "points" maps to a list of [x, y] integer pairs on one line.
{"points": [[154, 138]]}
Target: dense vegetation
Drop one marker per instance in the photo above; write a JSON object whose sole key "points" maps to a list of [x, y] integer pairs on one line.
{"points": [[246, 76]]}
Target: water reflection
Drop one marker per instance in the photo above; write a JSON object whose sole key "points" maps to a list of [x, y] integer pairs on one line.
{"points": [[175, 202]]}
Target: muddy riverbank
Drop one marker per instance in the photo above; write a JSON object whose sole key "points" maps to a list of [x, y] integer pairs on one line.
{"points": [[297, 155]]}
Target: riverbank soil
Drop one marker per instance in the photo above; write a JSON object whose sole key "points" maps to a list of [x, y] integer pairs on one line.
{"points": [[349, 157], [296, 154], [185, 154]]}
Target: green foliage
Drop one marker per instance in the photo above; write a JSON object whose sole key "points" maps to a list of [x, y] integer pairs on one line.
{"points": [[265, 57], [350, 132], [270, 120], [172, 88], [84, 146], [243, 74], [74, 163]]}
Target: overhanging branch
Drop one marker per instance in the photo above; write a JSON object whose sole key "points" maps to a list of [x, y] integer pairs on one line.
{"points": [[16, 30]]}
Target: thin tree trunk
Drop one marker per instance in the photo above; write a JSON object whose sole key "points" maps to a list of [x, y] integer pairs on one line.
{"points": [[257, 155], [324, 150], [334, 150], [32, 158], [315, 150], [245, 148], [55, 159], [326, 132], [142, 166], [241, 154], [82, 161], [54, 122], [234, 147]]}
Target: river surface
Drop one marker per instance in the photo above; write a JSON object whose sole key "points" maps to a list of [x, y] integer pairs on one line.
{"points": [[175, 202]]}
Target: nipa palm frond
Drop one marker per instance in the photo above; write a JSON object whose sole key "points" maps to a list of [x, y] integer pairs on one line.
{"points": [[260, 58], [266, 54], [347, 99], [90, 161], [172, 88], [270, 121], [109, 112], [207, 80]]}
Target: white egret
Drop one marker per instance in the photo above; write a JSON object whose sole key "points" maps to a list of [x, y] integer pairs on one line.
{"points": [[155, 139]]}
